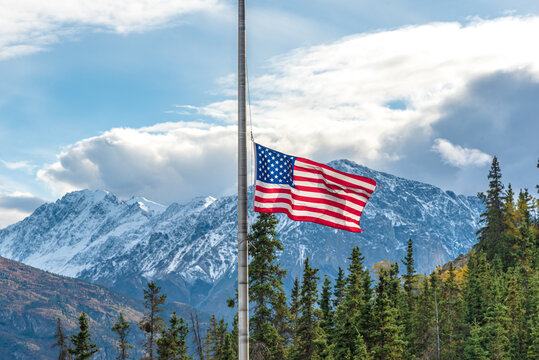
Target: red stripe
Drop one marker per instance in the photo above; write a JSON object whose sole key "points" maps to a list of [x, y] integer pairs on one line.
{"points": [[308, 218], [312, 190], [331, 178], [357, 177], [331, 186], [314, 201]]}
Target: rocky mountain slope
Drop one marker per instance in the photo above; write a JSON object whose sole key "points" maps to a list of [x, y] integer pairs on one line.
{"points": [[191, 248], [31, 300]]}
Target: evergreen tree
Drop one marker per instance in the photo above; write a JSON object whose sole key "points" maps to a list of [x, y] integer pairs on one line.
{"points": [[308, 331], [474, 349], [351, 317], [61, 341], [215, 338], [172, 345], [268, 323], [424, 318], [475, 289], [517, 327], [122, 329], [152, 324], [388, 340], [340, 284], [326, 322], [409, 310], [294, 312], [228, 352], [490, 235], [451, 316], [83, 346]]}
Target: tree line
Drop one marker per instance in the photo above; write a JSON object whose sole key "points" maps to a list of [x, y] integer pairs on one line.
{"points": [[488, 308]]}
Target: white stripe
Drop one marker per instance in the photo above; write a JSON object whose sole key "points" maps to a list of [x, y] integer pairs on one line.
{"points": [[336, 174], [336, 193], [361, 197], [310, 175], [308, 213], [347, 204]]}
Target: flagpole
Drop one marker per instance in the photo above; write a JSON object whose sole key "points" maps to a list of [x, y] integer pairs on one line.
{"points": [[243, 273]]}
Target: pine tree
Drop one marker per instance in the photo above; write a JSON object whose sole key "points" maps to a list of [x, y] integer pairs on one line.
{"points": [[61, 341], [228, 352], [294, 312], [490, 235], [172, 345], [388, 341], [308, 329], [350, 316], [475, 289], [268, 323], [340, 284], [517, 327], [152, 324], [409, 309], [83, 346], [122, 329], [424, 318], [451, 315], [326, 322], [474, 349]]}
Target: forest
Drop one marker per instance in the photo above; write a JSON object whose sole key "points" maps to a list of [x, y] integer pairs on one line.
{"points": [[483, 306]]}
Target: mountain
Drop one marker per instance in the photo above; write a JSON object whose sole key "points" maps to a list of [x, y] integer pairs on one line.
{"points": [[31, 300], [190, 249]]}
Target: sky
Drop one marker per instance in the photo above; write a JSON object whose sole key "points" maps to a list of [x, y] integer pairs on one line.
{"points": [[138, 97]]}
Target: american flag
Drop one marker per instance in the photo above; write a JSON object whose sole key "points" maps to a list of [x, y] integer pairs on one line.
{"points": [[309, 191]]}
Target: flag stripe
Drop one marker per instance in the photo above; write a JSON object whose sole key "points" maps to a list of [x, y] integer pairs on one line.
{"points": [[322, 202], [359, 180], [326, 185], [316, 219], [317, 192], [314, 175]]}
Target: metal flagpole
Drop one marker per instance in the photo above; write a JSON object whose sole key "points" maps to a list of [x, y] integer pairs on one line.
{"points": [[243, 273]]}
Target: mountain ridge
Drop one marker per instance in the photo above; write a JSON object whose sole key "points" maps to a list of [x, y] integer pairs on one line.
{"points": [[191, 247]]}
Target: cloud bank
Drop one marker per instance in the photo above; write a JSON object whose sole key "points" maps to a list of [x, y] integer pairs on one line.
{"points": [[28, 26], [15, 206], [380, 99]]}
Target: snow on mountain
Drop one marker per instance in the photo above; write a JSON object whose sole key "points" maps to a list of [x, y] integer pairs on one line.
{"points": [[191, 248]]}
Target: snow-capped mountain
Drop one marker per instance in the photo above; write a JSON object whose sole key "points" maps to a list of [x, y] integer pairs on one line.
{"points": [[190, 249]]}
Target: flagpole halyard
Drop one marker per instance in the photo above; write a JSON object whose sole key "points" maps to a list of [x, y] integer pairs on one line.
{"points": [[243, 256]]}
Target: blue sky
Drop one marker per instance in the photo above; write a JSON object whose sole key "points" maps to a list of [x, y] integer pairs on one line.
{"points": [[138, 97]]}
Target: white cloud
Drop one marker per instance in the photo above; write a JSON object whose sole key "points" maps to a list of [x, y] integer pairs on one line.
{"points": [[19, 165], [167, 162], [324, 102], [27, 26], [459, 156]]}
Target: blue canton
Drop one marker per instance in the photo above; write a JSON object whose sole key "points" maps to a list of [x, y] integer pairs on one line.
{"points": [[274, 167]]}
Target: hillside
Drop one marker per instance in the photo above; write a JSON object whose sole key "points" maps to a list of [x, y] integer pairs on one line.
{"points": [[32, 299]]}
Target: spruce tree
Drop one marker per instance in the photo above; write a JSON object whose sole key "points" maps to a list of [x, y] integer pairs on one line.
{"points": [[340, 284], [388, 337], [269, 312], [451, 315], [410, 291], [308, 331], [172, 345], [294, 312], [152, 324], [326, 322], [490, 235], [350, 316], [474, 349], [83, 349], [122, 329], [61, 341]]}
